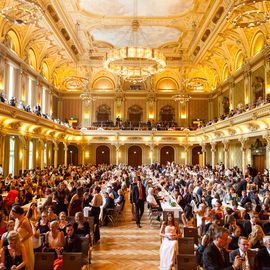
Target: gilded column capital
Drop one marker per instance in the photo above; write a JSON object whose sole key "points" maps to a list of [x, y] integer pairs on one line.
{"points": [[243, 142], [213, 146], [225, 145]]}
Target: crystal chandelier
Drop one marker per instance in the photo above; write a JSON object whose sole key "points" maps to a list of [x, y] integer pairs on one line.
{"points": [[248, 13], [134, 63], [23, 12]]}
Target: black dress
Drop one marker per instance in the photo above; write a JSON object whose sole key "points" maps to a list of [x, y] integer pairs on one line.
{"points": [[10, 261]]}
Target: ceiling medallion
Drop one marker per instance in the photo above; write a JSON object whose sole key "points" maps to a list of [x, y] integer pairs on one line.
{"points": [[246, 14], [75, 83], [196, 84], [23, 12], [133, 63]]}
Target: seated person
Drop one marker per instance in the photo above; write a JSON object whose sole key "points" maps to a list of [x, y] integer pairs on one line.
{"points": [[262, 259], [120, 197], [72, 241], [81, 227], [256, 237], [54, 238], [13, 256]]}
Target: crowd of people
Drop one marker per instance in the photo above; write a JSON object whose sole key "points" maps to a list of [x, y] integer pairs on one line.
{"points": [[37, 110], [44, 211]]}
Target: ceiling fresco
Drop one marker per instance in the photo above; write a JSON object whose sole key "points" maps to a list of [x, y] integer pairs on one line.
{"points": [[149, 8], [150, 36]]}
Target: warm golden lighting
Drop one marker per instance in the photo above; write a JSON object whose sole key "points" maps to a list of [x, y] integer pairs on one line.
{"points": [[87, 154], [21, 154], [151, 116], [135, 64], [246, 14], [183, 116]]}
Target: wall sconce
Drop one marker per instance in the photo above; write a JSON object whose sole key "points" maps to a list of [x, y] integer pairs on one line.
{"points": [[87, 154]]}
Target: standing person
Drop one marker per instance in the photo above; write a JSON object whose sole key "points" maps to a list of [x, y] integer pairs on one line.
{"points": [[96, 203], [262, 259], [24, 228], [138, 197]]}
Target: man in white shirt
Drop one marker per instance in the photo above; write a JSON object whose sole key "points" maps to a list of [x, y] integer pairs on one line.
{"points": [[244, 252]]}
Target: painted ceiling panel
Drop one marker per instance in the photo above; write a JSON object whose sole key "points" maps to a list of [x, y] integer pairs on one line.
{"points": [[148, 36], [149, 8]]}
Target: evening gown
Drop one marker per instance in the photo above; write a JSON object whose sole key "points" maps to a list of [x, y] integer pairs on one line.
{"points": [[168, 249], [28, 244]]}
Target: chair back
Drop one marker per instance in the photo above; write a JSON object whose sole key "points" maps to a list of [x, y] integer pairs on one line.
{"points": [[186, 262], [186, 245], [191, 232], [72, 260], [44, 260], [85, 250]]}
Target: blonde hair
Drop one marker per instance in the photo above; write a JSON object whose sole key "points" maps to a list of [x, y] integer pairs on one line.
{"points": [[14, 236], [253, 236]]}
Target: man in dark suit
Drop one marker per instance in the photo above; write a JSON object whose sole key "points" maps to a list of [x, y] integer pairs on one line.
{"points": [[244, 252], [244, 198], [215, 256], [138, 197], [72, 241], [247, 226], [262, 260]]}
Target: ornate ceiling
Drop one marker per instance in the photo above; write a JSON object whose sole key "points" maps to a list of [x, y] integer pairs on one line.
{"points": [[74, 36]]}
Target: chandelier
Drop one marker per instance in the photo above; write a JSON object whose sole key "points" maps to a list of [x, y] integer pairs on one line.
{"points": [[87, 97], [23, 12], [248, 13], [133, 63]]}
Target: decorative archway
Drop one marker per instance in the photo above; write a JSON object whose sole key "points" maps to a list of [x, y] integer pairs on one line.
{"points": [[135, 156], [103, 155], [72, 157], [166, 155], [167, 114], [196, 152], [135, 114]]}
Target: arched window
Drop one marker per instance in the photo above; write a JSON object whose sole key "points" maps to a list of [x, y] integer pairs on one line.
{"points": [[103, 113], [11, 155], [45, 70], [239, 60], [167, 114], [135, 113], [12, 41], [32, 60], [257, 44]]}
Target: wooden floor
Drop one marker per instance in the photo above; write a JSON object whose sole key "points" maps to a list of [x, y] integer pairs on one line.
{"points": [[125, 246]]}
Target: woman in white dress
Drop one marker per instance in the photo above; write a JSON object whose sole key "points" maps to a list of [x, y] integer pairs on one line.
{"points": [[170, 231]]}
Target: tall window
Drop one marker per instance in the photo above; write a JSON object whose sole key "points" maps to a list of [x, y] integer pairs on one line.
{"points": [[43, 102], [11, 154], [30, 92], [45, 154], [11, 82], [31, 150]]}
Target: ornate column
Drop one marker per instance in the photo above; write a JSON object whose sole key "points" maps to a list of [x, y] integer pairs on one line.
{"points": [[267, 138], [41, 155], [213, 151], [151, 153], [55, 156], [87, 112], [248, 84], [119, 105], [83, 154], [65, 154], [151, 107], [267, 71], [186, 150], [2, 148], [243, 142], [226, 153], [203, 154], [25, 154], [117, 148]]}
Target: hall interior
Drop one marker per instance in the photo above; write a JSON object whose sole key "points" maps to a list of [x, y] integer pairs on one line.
{"points": [[206, 103]]}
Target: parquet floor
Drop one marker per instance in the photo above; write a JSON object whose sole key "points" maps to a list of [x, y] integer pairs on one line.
{"points": [[125, 247]]}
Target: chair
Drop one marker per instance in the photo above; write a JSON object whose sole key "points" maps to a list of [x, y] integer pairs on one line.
{"points": [[86, 251], [186, 245], [72, 260], [186, 262], [191, 232], [44, 260], [153, 213]]}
